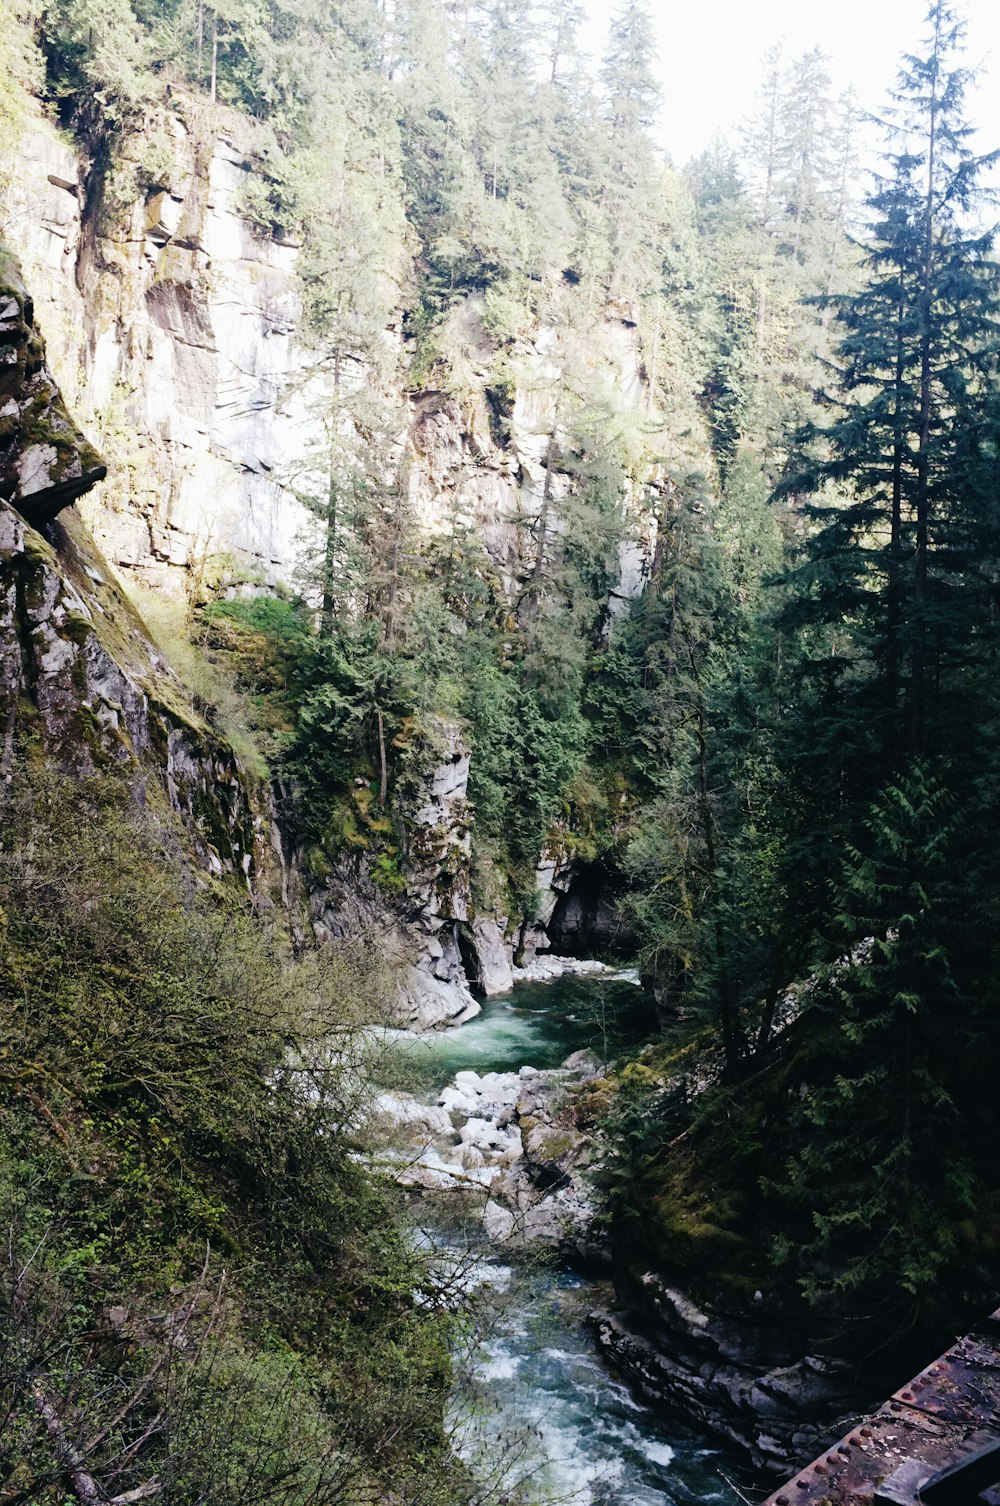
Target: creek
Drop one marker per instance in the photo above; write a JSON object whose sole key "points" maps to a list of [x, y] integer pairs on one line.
{"points": [[538, 1373]]}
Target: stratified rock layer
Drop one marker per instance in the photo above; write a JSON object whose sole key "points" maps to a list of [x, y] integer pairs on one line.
{"points": [[177, 320], [173, 318], [748, 1384]]}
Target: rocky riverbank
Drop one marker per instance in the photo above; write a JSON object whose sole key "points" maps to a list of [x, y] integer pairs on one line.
{"points": [[519, 1146], [511, 1140], [742, 1383]]}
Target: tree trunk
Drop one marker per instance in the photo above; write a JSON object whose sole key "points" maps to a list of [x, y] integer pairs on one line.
{"points": [[734, 1042], [383, 782], [329, 611], [395, 550], [533, 594], [894, 601], [923, 439], [761, 313], [81, 1481]]}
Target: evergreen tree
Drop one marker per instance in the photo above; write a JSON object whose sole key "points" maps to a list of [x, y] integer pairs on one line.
{"points": [[561, 21], [807, 132], [896, 629], [765, 150], [632, 97], [881, 584], [888, 1147]]}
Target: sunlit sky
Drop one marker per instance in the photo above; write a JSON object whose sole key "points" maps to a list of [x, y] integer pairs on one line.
{"points": [[710, 54]]}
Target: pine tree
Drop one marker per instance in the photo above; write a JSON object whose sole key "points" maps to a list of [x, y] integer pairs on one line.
{"points": [[632, 97], [807, 132], [561, 21], [894, 607], [765, 150], [916, 365], [884, 1159]]}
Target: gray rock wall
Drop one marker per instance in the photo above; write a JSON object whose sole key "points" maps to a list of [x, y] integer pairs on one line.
{"points": [[173, 331], [747, 1383], [45, 461], [171, 325], [80, 675]]}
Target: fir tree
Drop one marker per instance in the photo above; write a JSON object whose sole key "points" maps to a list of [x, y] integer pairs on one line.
{"points": [[883, 1161], [879, 584]]}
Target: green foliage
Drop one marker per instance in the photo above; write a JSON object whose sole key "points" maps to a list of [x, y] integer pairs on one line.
{"points": [[802, 687], [100, 60], [274, 617], [892, 1146], [387, 875], [821, 815], [173, 1085], [351, 703]]}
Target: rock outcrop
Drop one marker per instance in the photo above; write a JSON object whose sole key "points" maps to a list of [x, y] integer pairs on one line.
{"points": [[172, 321], [173, 318], [419, 946], [744, 1382], [417, 904], [79, 673], [488, 955], [45, 461]]}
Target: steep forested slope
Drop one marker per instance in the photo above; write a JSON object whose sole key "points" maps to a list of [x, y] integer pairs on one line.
{"points": [[646, 542]]}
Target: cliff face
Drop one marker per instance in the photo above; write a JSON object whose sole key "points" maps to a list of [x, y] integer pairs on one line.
{"points": [[45, 461], [171, 327], [171, 321], [419, 929], [79, 674], [482, 458]]}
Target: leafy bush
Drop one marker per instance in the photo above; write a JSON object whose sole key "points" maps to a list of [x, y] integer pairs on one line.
{"points": [[174, 1085]]}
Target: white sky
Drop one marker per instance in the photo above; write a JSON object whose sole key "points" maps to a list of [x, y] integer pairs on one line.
{"points": [[710, 53]]}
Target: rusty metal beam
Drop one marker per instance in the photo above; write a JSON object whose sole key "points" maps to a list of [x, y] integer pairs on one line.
{"points": [[946, 1413]]}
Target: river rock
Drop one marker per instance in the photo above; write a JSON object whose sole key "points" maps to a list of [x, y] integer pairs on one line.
{"points": [[487, 1136], [402, 1109], [584, 1064], [544, 968], [498, 1222], [489, 1096]]}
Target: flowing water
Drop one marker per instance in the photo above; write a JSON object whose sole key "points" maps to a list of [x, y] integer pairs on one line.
{"points": [[538, 1025], [586, 1440]]}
